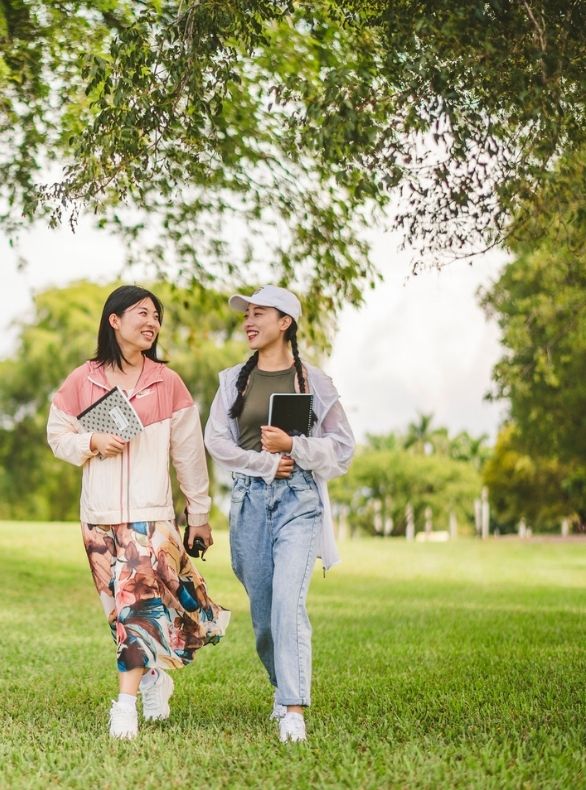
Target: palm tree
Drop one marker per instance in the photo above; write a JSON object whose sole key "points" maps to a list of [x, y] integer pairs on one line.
{"points": [[419, 435], [473, 449]]}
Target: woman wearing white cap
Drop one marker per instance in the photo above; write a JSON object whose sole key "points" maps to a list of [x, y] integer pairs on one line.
{"points": [[280, 516]]}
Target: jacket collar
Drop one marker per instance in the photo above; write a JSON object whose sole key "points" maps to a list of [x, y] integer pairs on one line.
{"points": [[152, 373]]}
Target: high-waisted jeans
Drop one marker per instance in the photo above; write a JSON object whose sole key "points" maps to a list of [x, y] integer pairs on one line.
{"points": [[273, 543]]}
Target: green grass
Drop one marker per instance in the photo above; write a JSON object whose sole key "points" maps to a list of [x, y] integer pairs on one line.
{"points": [[435, 666]]}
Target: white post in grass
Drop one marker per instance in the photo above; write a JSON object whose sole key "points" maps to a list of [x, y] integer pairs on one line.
{"points": [[522, 528], [428, 520], [410, 528], [453, 525], [484, 513], [565, 527], [389, 522], [478, 516], [378, 516]]}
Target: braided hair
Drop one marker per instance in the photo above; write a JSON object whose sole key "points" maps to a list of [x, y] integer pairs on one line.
{"points": [[241, 383], [291, 337], [251, 362]]}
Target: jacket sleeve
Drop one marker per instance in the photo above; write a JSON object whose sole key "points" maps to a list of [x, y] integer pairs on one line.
{"points": [[188, 454], [328, 455], [65, 440], [227, 453]]}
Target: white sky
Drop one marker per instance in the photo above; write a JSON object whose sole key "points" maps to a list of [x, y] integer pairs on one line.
{"points": [[418, 344]]}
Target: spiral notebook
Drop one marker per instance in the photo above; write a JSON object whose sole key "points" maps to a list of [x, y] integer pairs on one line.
{"points": [[112, 413], [291, 411]]}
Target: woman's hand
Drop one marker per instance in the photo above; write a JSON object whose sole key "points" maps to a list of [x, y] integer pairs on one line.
{"points": [[107, 444], [274, 440], [285, 468], [204, 531]]}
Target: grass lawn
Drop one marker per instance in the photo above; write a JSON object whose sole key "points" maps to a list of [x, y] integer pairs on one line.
{"points": [[435, 665]]}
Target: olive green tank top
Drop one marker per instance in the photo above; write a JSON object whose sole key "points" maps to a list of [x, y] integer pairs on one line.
{"points": [[255, 412]]}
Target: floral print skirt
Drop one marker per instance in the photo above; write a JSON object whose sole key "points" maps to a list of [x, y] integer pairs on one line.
{"points": [[155, 600]]}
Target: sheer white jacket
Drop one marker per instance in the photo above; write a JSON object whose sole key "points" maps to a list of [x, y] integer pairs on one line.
{"points": [[327, 452]]}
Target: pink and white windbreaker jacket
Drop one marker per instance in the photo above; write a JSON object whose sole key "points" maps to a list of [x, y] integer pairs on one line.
{"points": [[135, 485]]}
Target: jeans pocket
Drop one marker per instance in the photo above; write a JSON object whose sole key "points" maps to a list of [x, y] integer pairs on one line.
{"points": [[239, 490], [301, 481]]}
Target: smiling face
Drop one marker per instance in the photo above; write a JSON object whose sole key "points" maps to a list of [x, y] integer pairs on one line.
{"points": [[138, 326], [264, 327]]}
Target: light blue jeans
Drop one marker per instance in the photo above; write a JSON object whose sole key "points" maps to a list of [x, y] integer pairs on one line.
{"points": [[273, 543]]}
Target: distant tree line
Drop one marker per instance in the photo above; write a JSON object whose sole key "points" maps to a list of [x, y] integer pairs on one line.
{"points": [[423, 468]]}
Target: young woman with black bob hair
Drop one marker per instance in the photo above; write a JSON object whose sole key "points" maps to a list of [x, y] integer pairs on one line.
{"points": [[155, 601], [280, 516]]}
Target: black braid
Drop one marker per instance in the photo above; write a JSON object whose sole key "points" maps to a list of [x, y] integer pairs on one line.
{"points": [[291, 336], [241, 383]]}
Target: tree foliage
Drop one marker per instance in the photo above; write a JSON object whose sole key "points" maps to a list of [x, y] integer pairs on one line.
{"points": [[540, 304], [423, 438], [217, 135], [430, 471], [527, 486]]}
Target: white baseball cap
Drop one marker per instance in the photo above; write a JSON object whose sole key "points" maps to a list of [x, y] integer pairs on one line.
{"points": [[269, 296]]}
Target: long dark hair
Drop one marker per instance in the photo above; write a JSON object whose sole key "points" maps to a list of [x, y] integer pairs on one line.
{"points": [[108, 351], [250, 364]]}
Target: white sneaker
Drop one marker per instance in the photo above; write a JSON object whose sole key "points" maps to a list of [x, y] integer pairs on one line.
{"points": [[123, 721], [278, 710], [292, 728], [155, 699]]}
